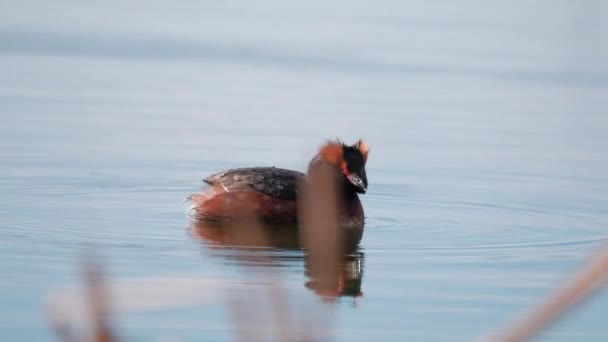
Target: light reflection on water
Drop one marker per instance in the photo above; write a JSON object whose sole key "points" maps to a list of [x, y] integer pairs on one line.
{"points": [[487, 165]]}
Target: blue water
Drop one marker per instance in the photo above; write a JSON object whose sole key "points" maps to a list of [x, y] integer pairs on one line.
{"points": [[487, 125]]}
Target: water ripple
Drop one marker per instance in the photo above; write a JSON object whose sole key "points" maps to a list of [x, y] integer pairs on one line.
{"points": [[449, 228]]}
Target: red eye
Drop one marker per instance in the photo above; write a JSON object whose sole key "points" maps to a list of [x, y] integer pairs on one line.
{"points": [[345, 171]]}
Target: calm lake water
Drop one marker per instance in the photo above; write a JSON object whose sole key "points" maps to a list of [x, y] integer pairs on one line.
{"points": [[487, 171]]}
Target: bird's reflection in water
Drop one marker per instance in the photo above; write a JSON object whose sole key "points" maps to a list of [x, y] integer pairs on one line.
{"points": [[254, 246]]}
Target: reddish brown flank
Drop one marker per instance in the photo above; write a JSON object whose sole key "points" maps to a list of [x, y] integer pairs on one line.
{"points": [[222, 206]]}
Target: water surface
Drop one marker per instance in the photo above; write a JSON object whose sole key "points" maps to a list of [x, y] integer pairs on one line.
{"points": [[487, 169]]}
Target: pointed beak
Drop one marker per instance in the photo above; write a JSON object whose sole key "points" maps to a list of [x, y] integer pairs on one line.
{"points": [[355, 180]]}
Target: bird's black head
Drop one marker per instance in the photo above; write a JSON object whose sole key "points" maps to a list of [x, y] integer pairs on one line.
{"points": [[355, 157], [350, 159]]}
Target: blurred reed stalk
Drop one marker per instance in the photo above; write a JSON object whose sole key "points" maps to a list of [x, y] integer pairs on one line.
{"points": [[320, 233], [98, 306], [580, 286]]}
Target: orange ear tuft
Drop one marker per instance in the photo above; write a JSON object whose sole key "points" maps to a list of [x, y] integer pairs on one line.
{"points": [[333, 152], [363, 147]]}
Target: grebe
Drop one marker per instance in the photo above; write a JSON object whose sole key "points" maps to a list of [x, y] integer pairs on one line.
{"points": [[272, 194]]}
